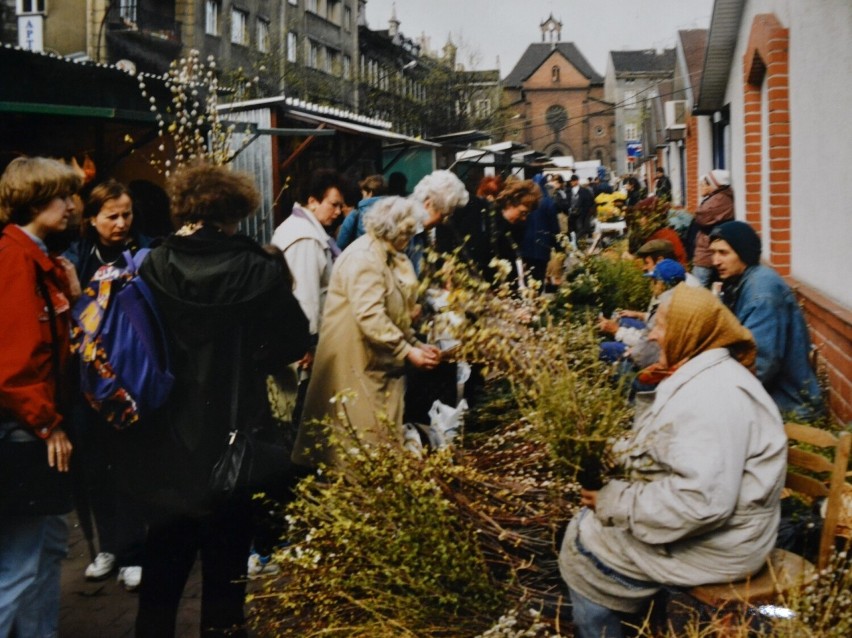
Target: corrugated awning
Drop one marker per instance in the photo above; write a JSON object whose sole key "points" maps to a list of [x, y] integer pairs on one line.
{"points": [[358, 129]]}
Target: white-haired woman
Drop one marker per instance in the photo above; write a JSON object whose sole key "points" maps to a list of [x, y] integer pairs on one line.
{"points": [[440, 193], [366, 336]]}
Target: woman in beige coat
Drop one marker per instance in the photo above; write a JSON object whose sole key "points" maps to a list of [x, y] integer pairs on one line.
{"points": [[358, 381]]}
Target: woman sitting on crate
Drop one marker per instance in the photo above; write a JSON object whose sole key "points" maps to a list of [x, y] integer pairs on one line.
{"points": [[704, 469]]}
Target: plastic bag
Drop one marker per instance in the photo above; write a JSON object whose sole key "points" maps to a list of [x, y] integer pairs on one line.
{"points": [[446, 423], [411, 440]]}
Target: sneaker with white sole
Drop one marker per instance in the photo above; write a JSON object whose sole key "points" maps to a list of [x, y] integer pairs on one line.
{"points": [[259, 566], [130, 576], [101, 567]]}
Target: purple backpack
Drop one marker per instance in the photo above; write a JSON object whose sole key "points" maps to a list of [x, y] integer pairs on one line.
{"points": [[125, 368]]}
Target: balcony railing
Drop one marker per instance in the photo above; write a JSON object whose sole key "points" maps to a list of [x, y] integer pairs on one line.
{"points": [[131, 17]]}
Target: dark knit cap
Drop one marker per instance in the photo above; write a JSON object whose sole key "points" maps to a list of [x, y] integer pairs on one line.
{"points": [[742, 238]]}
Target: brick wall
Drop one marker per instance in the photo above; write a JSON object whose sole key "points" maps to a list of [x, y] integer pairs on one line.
{"points": [[765, 63], [691, 197], [831, 332]]}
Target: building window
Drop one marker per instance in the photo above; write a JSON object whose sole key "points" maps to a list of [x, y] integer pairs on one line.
{"points": [[239, 27], [483, 108], [311, 5], [127, 10], [631, 132], [313, 54], [295, 3], [211, 17], [556, 117], [292, 44], [347, 67], [30, 6], [263, 36], [554, 73], [347, 18], [333, 11], [330, 61]]}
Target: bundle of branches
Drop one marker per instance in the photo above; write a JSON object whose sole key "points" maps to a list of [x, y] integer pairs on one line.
{"points": [[392, 545], [562, 388]]}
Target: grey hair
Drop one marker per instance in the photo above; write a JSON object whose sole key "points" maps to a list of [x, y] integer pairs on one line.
{"points": [[443, 189], [392, 218]]}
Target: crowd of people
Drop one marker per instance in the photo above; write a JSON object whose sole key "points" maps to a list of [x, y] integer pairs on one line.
{"points": [[332, 309]]}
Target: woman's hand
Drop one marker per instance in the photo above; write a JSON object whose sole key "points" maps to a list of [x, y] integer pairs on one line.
{"points": [[426, 357], [589, 498], [74, 288], [58, 450], [634, 314], [306, 362]]}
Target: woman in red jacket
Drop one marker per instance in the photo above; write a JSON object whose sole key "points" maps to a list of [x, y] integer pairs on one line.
{"points": [[37, 290]]}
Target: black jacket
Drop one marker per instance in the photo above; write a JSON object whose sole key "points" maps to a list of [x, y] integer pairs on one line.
{"points": [[211, 288]]}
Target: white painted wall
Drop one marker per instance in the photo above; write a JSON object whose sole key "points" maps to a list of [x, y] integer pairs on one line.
{"points": [[821, 110]]}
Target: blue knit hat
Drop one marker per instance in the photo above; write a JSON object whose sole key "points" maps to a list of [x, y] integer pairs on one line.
{"points": [[668, 271], [742, 238]]}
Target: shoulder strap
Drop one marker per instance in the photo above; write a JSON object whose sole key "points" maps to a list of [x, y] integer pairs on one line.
{"points": [[235, 385], [134, 261]]}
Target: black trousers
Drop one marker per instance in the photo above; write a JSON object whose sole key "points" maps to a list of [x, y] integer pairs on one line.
{"points": [[223, 540]]}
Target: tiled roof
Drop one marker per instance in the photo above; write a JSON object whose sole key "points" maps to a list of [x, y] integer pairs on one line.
{"points": [[538, 52], [643, 61]]}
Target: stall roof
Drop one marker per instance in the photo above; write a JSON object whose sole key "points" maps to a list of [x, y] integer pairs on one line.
{"points": [[359, 129], [334, 118], [461, 138], [49, 84]]}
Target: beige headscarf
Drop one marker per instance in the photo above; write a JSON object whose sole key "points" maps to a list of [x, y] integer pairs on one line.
{"points": [[697, 321]]}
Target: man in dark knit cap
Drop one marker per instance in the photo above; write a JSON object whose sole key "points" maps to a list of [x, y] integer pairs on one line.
{"points": [[766, 305]]}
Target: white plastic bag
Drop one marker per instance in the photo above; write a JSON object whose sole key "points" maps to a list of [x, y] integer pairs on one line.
{"points": [[446, 423], [411, 440]]}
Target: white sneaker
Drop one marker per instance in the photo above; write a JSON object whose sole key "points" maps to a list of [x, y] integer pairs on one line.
{"points": [[101, 567], [259, 566], [131, 577]]}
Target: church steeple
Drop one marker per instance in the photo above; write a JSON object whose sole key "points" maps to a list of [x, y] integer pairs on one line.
{"points": [[551, 30], [393, 23]]}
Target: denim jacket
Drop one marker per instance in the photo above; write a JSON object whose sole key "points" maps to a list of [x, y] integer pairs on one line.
{"points": [[767, 306]]}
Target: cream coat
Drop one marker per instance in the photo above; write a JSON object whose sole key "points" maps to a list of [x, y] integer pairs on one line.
{"points": [[707, 462], [366, 334]]}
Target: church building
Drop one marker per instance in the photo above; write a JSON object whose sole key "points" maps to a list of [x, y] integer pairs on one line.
{"points": [[559, 98]]}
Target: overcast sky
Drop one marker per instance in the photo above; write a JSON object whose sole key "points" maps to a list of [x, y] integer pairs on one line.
{"points": [[504, 28]]}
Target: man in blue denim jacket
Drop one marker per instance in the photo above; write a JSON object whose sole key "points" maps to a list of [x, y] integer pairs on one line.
{"points": [[767, 306]]}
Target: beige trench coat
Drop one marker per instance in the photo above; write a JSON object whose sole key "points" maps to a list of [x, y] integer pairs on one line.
{"points": [[365, 336]]}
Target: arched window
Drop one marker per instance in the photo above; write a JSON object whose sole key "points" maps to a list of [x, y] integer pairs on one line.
{"points": [[554, 73]]}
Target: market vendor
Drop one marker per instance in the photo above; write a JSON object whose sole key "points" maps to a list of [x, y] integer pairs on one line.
{"points": [[705, 465]]}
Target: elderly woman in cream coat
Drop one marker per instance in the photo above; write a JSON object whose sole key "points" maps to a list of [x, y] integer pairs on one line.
{"points": [[705, 467], [366, 338]]}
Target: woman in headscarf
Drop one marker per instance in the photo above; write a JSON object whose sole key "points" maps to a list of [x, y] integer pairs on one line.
{"points": [[704, 469], [716, 207]]}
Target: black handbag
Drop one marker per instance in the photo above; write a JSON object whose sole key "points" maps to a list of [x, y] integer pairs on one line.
{"points": [[28, 485], [255, 459]]}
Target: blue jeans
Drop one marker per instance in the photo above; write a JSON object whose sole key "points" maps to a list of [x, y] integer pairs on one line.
{"points": [[592, 620], [38, 614], [22, 539]]}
